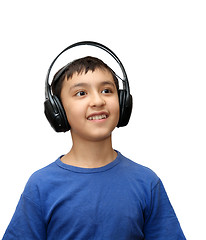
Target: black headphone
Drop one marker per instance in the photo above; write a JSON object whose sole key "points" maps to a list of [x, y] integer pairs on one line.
{"points": [[54, 110]]}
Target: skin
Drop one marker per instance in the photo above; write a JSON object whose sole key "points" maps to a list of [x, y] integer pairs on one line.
{"points": [[85, 96]]}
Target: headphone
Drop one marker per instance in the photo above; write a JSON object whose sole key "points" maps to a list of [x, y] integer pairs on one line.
{"points": [[54, 110]]}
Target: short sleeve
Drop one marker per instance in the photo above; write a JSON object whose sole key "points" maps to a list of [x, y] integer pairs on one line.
{"points": [[27, 222], [160, 221]]}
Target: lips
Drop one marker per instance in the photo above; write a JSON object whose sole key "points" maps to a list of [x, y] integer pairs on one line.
{"points": [[97, 116]]}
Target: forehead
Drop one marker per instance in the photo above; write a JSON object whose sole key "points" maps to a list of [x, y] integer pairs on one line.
{"points": [[98, 76]]}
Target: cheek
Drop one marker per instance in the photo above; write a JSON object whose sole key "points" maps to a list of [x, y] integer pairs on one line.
{"points": [[115, 109], [73, 113]]}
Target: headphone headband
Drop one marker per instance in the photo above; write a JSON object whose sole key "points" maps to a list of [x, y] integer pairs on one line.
{"points": [[54, 110], [90, 43]]}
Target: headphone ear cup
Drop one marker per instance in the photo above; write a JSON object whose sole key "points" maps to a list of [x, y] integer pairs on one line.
{"points": [[56, 115], [125, 110]]}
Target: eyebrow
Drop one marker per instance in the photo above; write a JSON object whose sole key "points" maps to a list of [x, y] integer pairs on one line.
{"points": [[107, 83], [78, 85], [87, 85]]}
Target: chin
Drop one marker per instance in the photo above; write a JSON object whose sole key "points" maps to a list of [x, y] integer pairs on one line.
{"points": [[97, 135]]}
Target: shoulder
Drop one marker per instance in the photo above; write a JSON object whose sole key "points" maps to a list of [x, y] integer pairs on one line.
{"points": [[40, 179], [138, 172]]}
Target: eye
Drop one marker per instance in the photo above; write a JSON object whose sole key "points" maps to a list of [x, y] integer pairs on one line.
{"points": [[107, 91], [80, 93]]}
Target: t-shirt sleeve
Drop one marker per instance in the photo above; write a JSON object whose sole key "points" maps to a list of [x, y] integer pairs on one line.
{"points": [[27, 222], [160, 221]]}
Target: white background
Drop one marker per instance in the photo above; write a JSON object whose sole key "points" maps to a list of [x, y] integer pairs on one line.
{"points": [[162, 45]]}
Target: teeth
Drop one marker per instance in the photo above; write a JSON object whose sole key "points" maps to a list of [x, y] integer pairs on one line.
{"points": [[97, 117]]}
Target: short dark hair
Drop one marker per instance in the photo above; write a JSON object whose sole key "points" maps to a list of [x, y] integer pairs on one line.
{"points": [[82, 65]]}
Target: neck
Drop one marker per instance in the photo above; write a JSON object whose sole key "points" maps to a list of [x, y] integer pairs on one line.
{"points": [[90, 154]]}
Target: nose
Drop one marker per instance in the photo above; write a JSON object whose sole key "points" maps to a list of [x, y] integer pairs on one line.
{"points": [[97, 100]]}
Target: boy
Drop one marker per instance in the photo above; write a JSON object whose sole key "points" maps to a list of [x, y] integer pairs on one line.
{"points": [[93, 192]]}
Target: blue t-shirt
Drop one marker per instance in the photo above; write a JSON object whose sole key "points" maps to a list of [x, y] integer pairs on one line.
{"points": [[120, 201]]}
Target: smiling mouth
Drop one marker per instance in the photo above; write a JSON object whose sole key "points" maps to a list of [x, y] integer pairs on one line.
{"points": [[98, 117]]}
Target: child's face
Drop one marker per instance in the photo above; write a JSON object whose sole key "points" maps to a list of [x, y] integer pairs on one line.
{"points": [[91, 104]]}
